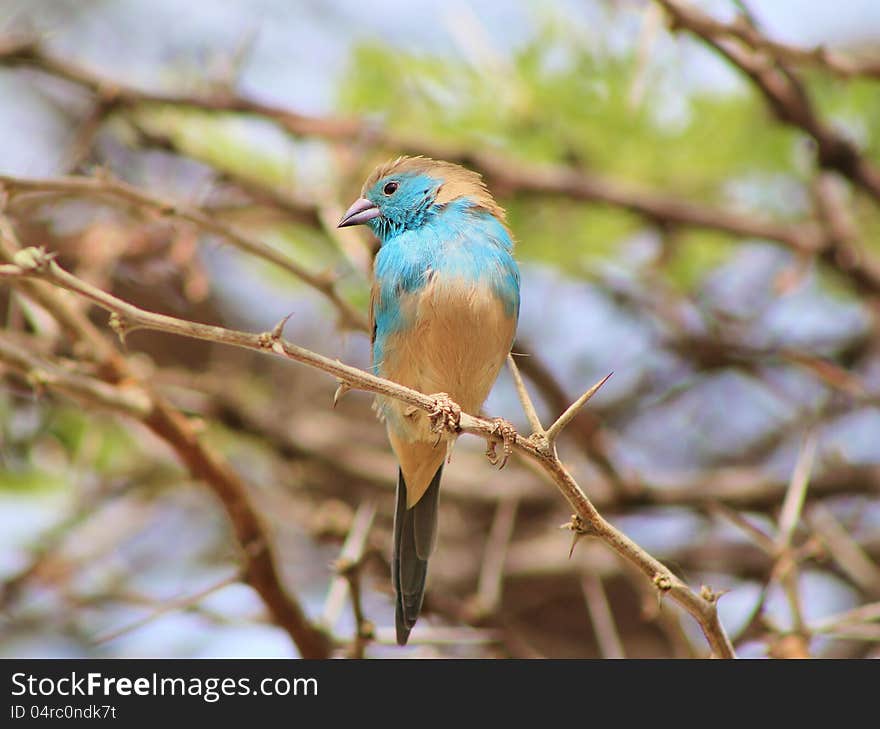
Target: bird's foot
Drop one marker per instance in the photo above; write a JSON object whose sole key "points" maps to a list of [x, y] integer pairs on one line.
{"points": [[507, 433], [446, 415]]}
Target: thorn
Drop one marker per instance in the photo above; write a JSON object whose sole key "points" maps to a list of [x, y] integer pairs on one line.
{"points": [[575, 538], [278, 329], [554, 430], [524, 397], [710, 595], [579, 529], [341, 391], [272, 339], [663, 583], [118, 325], [33, 258]]}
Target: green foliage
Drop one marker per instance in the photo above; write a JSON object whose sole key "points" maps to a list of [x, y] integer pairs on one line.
{"points": [[583, 232], [561, 99], [852, 105], [218, 140], [694, 253], [108, 448], [557, 101], [304, 244], [868, 216], [43, 443], [32, 481]]}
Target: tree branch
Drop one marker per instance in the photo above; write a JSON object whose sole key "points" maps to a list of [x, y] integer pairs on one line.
{"points": [[838, 63], [783, 91], [260, 570], [36, 263], [103, 186]]}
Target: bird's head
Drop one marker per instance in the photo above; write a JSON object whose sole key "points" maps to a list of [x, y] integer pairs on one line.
{"points": [[409, 192]]}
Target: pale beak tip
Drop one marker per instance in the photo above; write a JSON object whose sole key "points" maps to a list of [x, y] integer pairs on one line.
{"points": [[361, 211]]}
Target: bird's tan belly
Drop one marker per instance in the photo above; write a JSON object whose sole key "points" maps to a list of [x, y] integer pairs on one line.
{"points": [[457, 342]]}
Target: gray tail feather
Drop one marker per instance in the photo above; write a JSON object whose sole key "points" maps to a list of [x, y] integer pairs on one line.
{"points": [[415, 532]]}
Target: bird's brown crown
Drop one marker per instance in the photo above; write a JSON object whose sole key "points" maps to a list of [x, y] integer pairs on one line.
{"points": [[457, 181]]}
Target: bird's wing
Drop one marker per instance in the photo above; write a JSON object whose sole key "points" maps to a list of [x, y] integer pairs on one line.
{"points": [[374, 293]]}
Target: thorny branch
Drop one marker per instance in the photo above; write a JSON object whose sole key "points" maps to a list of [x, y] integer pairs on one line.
{"points": [[34, 263], [171, 426], [106, 187]]}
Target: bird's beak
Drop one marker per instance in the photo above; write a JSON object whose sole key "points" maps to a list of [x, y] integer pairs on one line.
{"points": [[360, 212]]}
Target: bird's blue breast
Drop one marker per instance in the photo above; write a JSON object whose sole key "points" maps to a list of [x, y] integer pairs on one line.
{"points": [[461, 242]]}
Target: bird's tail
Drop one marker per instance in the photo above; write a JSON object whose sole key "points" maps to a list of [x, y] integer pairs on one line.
{"points": [[415, 531]]}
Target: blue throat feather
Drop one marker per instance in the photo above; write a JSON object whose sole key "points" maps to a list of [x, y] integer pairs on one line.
{"points": [[442, 246]]}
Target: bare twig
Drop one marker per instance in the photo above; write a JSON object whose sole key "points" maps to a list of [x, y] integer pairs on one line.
{"points": [[524, 398], [797, 491], [103, 186], [492, 570], [844, 550], [350, 558], [786, 97], [181, 603], [862, 614], [786, 568], [762, 540], [42, 374], [604, 627]]}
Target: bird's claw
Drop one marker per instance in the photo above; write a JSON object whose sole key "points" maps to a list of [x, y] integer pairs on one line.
{"points": [[446, 415], [507, 433]]}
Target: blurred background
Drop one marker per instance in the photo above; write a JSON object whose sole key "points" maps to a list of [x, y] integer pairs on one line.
{"points": [[672, 227]]}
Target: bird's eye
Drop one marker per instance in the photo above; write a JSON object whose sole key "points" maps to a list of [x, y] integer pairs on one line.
{"points": [[390, 188]]}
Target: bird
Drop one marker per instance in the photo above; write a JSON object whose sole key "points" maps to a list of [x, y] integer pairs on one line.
{"points": [[444, 307]]}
